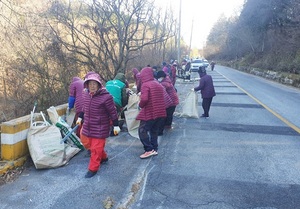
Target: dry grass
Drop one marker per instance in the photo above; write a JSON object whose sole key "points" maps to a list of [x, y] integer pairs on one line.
{"points": [[13, 174]]}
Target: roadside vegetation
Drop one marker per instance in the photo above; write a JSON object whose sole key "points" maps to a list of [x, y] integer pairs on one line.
{"points": [[46, 43], [264, 37]]}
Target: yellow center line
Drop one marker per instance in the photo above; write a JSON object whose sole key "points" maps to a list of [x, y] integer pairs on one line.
{"points": [[266, 107]]}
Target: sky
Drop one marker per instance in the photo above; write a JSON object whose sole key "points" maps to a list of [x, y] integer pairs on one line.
{"points": [[203, 14]]}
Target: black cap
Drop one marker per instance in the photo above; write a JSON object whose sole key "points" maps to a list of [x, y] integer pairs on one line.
{"points": [[161, 74], [202, 69]]}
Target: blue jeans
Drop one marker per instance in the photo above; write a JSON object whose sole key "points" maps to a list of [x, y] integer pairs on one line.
{"points": [[148, 133]]}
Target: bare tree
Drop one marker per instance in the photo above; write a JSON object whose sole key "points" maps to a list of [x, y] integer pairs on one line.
{"points": [[46, 43], [106, 35], [34, 66]]}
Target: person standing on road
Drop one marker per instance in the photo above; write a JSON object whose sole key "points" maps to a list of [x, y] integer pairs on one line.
{"points": [[137, 78], [167, 84], [75, 99], [84, 140], [212, 65], [152, 112], [118, 89], [98, 111], [172, 74], [207, 90]]}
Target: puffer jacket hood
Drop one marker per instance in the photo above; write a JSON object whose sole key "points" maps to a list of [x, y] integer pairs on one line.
{"points": [[120, 77], [88, 74], [75, 79], [135, 72], [92, 77], [147, 74]]}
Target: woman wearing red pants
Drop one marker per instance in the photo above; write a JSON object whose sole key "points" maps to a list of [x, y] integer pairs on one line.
{"points": [[98, 111]]}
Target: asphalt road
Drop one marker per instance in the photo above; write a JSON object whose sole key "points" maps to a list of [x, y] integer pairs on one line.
{"points": [[246, 155]]}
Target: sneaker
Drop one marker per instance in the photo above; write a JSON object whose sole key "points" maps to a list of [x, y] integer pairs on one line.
{"points": [[147, 154], [155, 153], [90, 174], [104, 160]]}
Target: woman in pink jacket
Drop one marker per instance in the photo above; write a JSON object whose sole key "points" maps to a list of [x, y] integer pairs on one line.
{"points": [[98, 110]]}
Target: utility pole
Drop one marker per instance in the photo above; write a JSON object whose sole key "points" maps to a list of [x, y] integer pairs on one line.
{"points": [[178, 41], [190, 47]]}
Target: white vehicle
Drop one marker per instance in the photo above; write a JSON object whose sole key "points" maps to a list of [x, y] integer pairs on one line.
{"points": [[205, 63], [195, 64]]}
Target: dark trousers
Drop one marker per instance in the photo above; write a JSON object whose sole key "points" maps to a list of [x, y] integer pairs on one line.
{"points": [[206, 102], [170, 111], [167, 120], [148, 133]]}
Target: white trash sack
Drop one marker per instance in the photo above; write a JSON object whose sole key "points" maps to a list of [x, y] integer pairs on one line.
{"points": [[190, 106]]}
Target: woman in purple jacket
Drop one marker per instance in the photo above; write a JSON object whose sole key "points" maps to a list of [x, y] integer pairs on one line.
{"points": [[98, 110], [75, 99], [207, 91]]}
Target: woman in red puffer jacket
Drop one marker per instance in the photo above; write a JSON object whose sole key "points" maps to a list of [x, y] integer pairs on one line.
{"points": [[153, 111]]}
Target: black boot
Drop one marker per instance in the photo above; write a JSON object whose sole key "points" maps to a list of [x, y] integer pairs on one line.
{"points": [[90, 174]]}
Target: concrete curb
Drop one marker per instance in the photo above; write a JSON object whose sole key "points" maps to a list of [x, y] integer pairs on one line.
{"points": [[8, 165]]}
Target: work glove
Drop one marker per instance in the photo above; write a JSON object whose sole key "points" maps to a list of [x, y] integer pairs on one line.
{"points": [[116, 130], [78, 122]]}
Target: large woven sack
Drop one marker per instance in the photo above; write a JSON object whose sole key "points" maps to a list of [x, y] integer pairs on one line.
{"points": [[131, 122], [131, 114], [133, 101], [190, 106], [44, 146]]}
